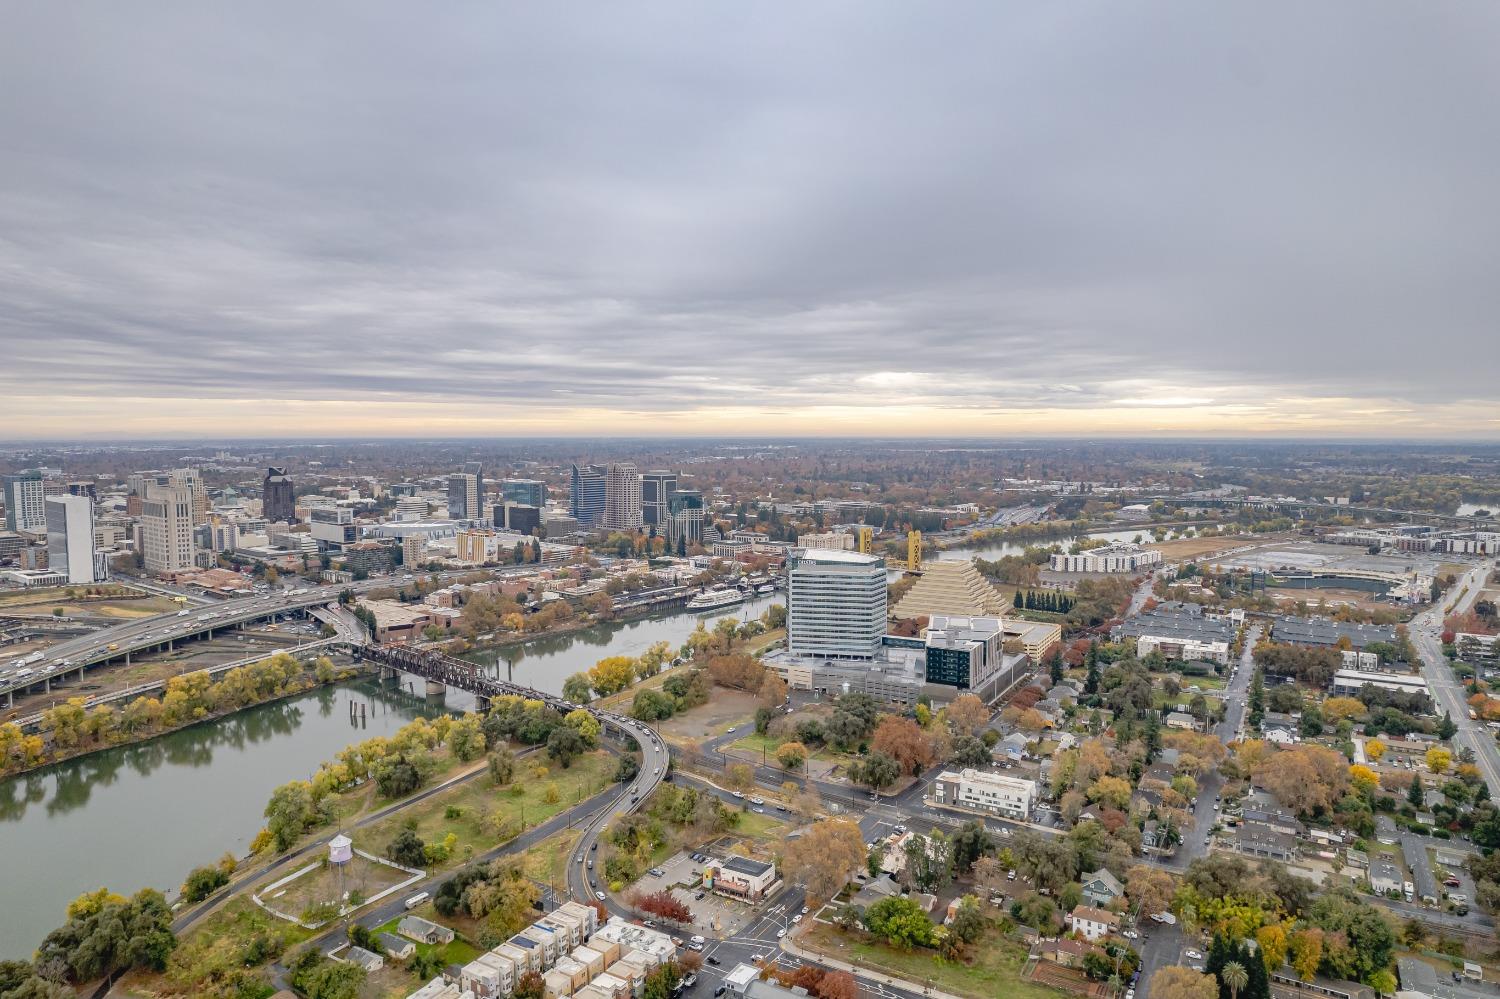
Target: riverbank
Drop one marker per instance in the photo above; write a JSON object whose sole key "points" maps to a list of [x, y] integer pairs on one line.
{"points": [[95, 723]]}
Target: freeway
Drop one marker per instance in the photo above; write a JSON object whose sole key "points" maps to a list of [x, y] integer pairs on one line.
{"points": [[162, 630], [1447, 691]]}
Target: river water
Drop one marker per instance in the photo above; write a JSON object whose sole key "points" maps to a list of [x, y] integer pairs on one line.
{"points": [[146, 814]]}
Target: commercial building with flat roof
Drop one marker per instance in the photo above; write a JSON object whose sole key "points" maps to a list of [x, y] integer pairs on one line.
{"points": [[981, 791], [836, 602], [527, 492], [1324, 632], [1118, 557], [587, 495], [967, 653], [1349, 682]]}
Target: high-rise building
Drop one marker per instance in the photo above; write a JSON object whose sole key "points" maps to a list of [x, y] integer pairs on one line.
{"points": [[167, 528], [463, 496], [192, 480], [70, 538], [588, 495], [278, 497], [622, 496], [24, 495], [685, 519], [517, 517], [137, 483], [835, 603], [333, 526], [656, 497], [527, 492]]}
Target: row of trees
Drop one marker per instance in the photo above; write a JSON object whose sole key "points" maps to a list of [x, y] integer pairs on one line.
{"points": [[72, 727]]}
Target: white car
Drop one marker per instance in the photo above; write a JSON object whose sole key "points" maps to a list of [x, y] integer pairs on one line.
{"points": [[780, 934], [797, 918], [805, 910], [757, 801], [599, 895], [1193, 955], [1131, 935]]}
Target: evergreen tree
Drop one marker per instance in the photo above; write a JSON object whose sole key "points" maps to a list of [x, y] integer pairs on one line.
{"points": [[1017, 600], [1055, 667], [519, 555], [1446, 729], [1414, 793]]}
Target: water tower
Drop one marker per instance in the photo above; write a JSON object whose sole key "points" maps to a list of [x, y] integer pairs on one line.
{"points": [[340, 852]]}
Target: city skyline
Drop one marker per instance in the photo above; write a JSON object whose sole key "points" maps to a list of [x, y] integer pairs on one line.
{"points": [[976, 220]]}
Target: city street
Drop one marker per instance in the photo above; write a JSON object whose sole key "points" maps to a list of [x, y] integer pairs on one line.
{"points": [[1447, 690]]}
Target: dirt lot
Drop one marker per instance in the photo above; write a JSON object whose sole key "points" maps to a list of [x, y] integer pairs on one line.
{"points": [[1190, 548], [724, 708]]}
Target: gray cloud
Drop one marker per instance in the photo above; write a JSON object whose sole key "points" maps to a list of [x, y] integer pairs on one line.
{"points": [[674, 206]]}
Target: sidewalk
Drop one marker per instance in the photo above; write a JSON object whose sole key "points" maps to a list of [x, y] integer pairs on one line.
{"points": [[817, 957]]}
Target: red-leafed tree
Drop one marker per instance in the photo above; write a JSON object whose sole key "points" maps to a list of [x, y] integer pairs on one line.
{"points": [[664, 905]]}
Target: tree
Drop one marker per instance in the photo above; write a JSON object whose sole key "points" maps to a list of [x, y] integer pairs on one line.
{"points": [[576, 688], [1272, 943], [202, 882], [288, 813], [900, 922], [1234, 977], [529, 986], [967, 715], [1446, 729], [824, 856], [1113, 791], [876, 771], [1307, 952], [1176, 982], [1414, 792], [1439, 760], [566, 744], [837, 985], [611, 675], [1149, 889], [587, 725], [904, 741], [1374, 749], [1383, 982], [971, 842], [503, 767], [791, 755], [740, 777], [407, 849], [664, 904]]}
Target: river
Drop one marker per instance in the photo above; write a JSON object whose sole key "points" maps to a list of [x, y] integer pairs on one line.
{"points": [[146, 814]]}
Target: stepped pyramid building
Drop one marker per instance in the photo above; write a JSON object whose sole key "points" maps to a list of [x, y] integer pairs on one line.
{"points": [[951, 588]]}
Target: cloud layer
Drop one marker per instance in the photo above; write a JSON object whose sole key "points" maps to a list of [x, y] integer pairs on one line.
{"points": [[956, 218]]}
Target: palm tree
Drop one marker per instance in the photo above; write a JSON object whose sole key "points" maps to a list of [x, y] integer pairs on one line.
{"points": [[1234, 977]]}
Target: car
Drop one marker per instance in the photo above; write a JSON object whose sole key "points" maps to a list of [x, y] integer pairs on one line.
{"points": [[757, 958], [591, 865], [1192, 955], [594, 846], [780, 807], [762, 811], [757, 801], [1131, 935], [1010, 875], [691, 979], [805, 910], [696, 938], [650, 924], [656, 770], [780, 934], [738, 794], [712, 960], [698, 897], [720, 990], [579, 859], [731, 730], [677, 941], [599, 895], [797, 918]]}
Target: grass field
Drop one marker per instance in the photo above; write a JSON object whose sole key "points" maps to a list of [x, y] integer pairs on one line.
{"points": [[483, 816], [1194, 548], [994, 967]]}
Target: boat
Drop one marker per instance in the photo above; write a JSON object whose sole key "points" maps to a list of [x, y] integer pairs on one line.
{"points": [[766, 588], [711, 600]]}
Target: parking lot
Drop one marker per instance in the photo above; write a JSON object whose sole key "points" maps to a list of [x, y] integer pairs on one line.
{"points": [[713, 915]]}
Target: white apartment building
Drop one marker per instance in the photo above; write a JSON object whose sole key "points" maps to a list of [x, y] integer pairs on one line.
{"points": [[1182, 648], [985, 792], [622, 497], [411, 508], [167, 529], [24, 509], [836, 602], [192, 480], [836, 540], [70, 539], [1118, 557]]}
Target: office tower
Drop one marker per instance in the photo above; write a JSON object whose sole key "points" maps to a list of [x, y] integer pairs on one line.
{"points": [[527, 492], [657, 488], [685, 520], [411, 508], [518, 517], [167, 529], [24, 495], [835, 603], [588, 495], [278, 497], [622, 497], [70, 538], [333, 526], [192, 480], [82, 488], [463, 496]]}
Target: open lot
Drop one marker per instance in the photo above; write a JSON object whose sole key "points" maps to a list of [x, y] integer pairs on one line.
{"points": [[328, 884], [1196, 548], [713, 916], [723, 709]]}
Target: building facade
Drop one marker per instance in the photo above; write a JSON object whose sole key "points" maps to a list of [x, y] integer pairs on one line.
{"points": [[977, 790], [192, 480], [1118, 557], [278, 497], [24, 497], [518, 517], [622, 497], [685, 526], [167, 529], [527, 492], [836, 603], [657, 489], [333, 526], [588, 495], [70, 539], [464, 492]]}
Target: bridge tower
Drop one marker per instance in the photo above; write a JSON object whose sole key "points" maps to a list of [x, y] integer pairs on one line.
{"points": [[913, 550]]}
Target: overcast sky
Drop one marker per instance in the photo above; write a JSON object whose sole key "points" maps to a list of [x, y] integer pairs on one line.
{"points": [[488, 218]]}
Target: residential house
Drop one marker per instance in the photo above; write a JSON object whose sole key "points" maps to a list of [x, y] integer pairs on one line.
{"points": [[1258, 839], [366, 959], [1092, 923], [1101, 887], [395, 947], [423, 930], [1385, 877], [1182, 720], [1066, 951]]}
